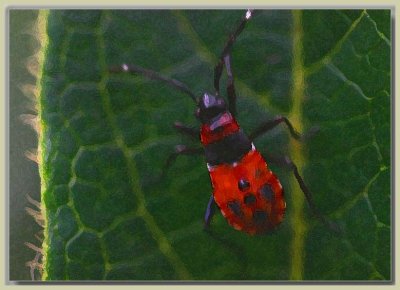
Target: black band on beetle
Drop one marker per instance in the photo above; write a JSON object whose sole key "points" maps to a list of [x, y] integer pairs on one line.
{"points": [[228, 150]]}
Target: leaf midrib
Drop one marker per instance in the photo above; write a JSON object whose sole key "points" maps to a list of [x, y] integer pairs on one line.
{"points": [[296, 150], [295, 115]]}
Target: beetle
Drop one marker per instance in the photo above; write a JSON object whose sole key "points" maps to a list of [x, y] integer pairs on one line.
{"points": [[247, 192]]}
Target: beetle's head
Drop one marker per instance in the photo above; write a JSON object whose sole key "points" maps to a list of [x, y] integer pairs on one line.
{"points": [[210, 106]]}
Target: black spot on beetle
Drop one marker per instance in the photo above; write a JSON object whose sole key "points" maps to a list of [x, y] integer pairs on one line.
{"points": [[259, 217], [267, 192], [234, 206], [249, 199], [243, 184]]}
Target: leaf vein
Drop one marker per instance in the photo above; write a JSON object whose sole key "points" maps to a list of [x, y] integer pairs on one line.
{"points": [[163, 243], [296, 150], [381, 34], [316, 66], [336, 71]]}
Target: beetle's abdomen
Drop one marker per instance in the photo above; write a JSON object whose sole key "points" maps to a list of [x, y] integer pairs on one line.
{"points": [[249, 195]]}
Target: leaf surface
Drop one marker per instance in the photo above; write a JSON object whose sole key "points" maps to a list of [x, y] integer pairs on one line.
{"points": [[106, 138]]}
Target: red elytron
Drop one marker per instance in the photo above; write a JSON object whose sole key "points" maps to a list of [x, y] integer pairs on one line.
{"points": [[248, 194], [256, 208]]}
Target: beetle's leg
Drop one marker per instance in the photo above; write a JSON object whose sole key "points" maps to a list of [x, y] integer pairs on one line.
{"points": [[307, 193], [265, 127], [210, 211], [230, 87], [186, 130], [181, 150], [289, 164], [227, 48]]}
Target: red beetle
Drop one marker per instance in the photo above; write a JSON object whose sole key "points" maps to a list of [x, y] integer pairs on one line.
{"points": [[248, 194]]}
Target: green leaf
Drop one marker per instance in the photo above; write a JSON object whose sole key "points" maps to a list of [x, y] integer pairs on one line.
{"points": [[106, 136]]}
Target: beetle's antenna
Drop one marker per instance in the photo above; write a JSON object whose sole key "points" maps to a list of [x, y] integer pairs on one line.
{"points": [[134, 69]]}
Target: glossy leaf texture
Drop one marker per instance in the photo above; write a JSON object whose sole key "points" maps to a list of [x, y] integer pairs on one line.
{"points": [[110, 212]]}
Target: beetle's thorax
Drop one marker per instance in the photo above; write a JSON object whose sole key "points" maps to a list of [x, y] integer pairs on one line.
{"points": [[219, 127], [220, 134], [217, 121]]}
